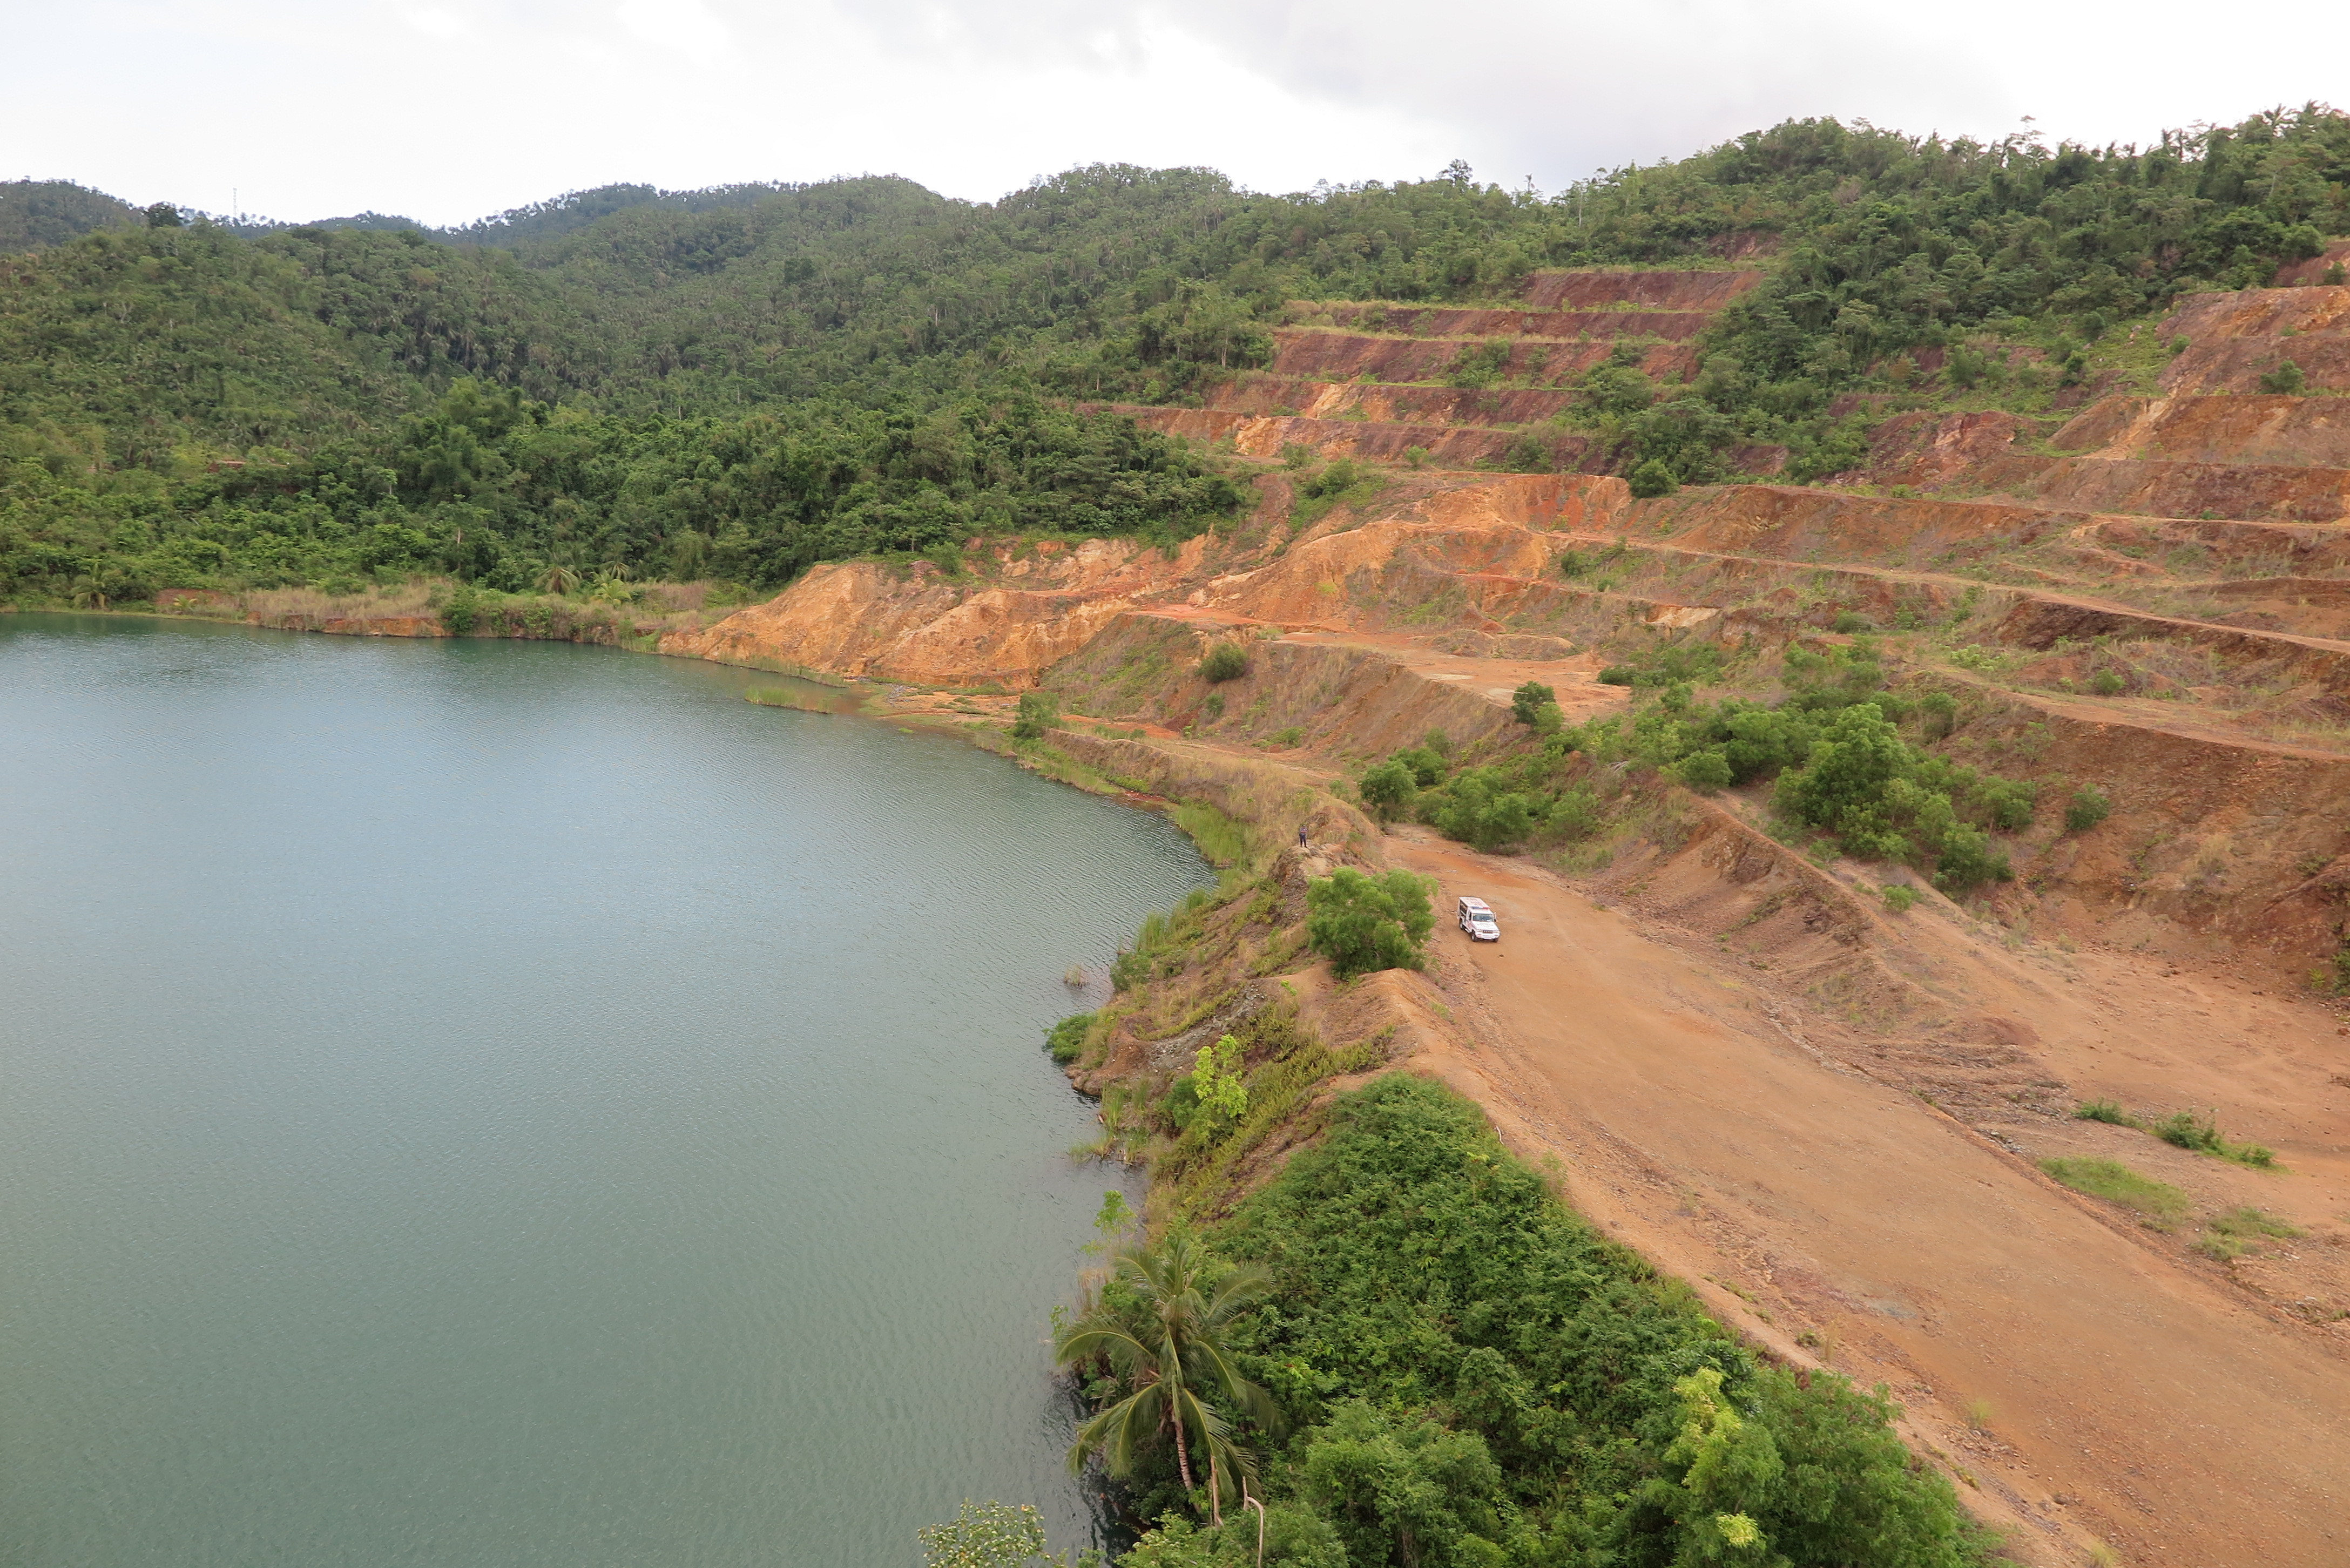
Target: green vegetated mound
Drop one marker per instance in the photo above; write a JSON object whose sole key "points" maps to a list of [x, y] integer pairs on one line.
{"points": [[744, 380], [1461, 1371]]}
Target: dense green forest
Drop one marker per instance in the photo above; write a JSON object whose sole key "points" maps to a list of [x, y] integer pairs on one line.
{"points": [[744, 380]]}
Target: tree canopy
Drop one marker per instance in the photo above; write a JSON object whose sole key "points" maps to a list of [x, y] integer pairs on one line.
{"points": [[861, 364]]}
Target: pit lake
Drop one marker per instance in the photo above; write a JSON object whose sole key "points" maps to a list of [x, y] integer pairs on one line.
{"points": [[482, 1103]]}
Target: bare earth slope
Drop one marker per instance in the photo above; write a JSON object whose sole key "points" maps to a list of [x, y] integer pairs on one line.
{"points": [[1826, 1115], [1715, 1127]]}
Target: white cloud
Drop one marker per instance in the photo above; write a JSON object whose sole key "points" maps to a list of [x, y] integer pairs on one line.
{"points": [[317, 107], [438, 24], [685, 25]]}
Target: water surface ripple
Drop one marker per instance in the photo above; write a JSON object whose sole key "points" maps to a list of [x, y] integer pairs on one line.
{"points": [[498, 1103]]}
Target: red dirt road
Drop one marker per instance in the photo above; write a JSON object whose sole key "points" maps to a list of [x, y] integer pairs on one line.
{"points": [[2093, 1386]]}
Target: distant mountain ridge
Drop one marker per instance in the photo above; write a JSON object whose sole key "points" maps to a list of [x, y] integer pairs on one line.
{"points": [[37, 213]]}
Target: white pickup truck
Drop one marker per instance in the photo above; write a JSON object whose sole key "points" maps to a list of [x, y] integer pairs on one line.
{"points": [[1478, 921]]}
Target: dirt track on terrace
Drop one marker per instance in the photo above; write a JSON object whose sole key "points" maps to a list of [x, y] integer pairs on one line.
{"points": [[2037, 1343]]}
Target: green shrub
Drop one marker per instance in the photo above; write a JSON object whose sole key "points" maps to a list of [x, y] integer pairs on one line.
{"points": [[1480, 807], [1898, 898], [1364, 923], [1668, 664], [1480, 365], [1886, 801], [2287, 380], [1224, 661], [1653, 479], [1292, 736], [1337, 479], [1181, 1102], [1574, 813], [462, 613], [1066, 1040], [2010, 802], [1529, 453], [1426, 763], [1037, 711], [1388, 789], [2087, 808], [1965, 860], [1938, 713], [1219, 1088], [2106, 1111], [1831, 449], [2202, 1135], [2108, 683], [2157, 1203], [1706, 770], [1527, 702]]}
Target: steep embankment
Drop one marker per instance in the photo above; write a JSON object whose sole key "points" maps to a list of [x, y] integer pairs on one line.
{"points": [[1824, 1113]]}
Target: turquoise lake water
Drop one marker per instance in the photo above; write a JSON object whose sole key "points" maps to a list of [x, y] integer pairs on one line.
{"points": [[497, 1104]]}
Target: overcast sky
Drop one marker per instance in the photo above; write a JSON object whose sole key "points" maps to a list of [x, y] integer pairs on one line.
{"points": [[448, 110]]}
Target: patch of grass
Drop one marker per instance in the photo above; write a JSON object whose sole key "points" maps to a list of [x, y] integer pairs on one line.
{"points": [[1979, 1415], [2106, 1111], [2231, 1235], [1222, 841], [1066, 1041], [784, 696], [2157, 1204], [2202, 1135], [1291, 736]]}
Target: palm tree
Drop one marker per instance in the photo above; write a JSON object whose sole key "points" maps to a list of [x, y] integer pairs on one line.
{"points": [[1162, 1335], [87, 593], [558, 577]]}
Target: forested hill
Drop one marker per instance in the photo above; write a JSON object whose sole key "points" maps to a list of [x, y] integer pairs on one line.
{"points": [[38, 212], [746, 379]]}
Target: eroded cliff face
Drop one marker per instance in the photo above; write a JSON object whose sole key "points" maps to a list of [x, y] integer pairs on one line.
{"points": [[1019, 609], [1015, 613]]}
